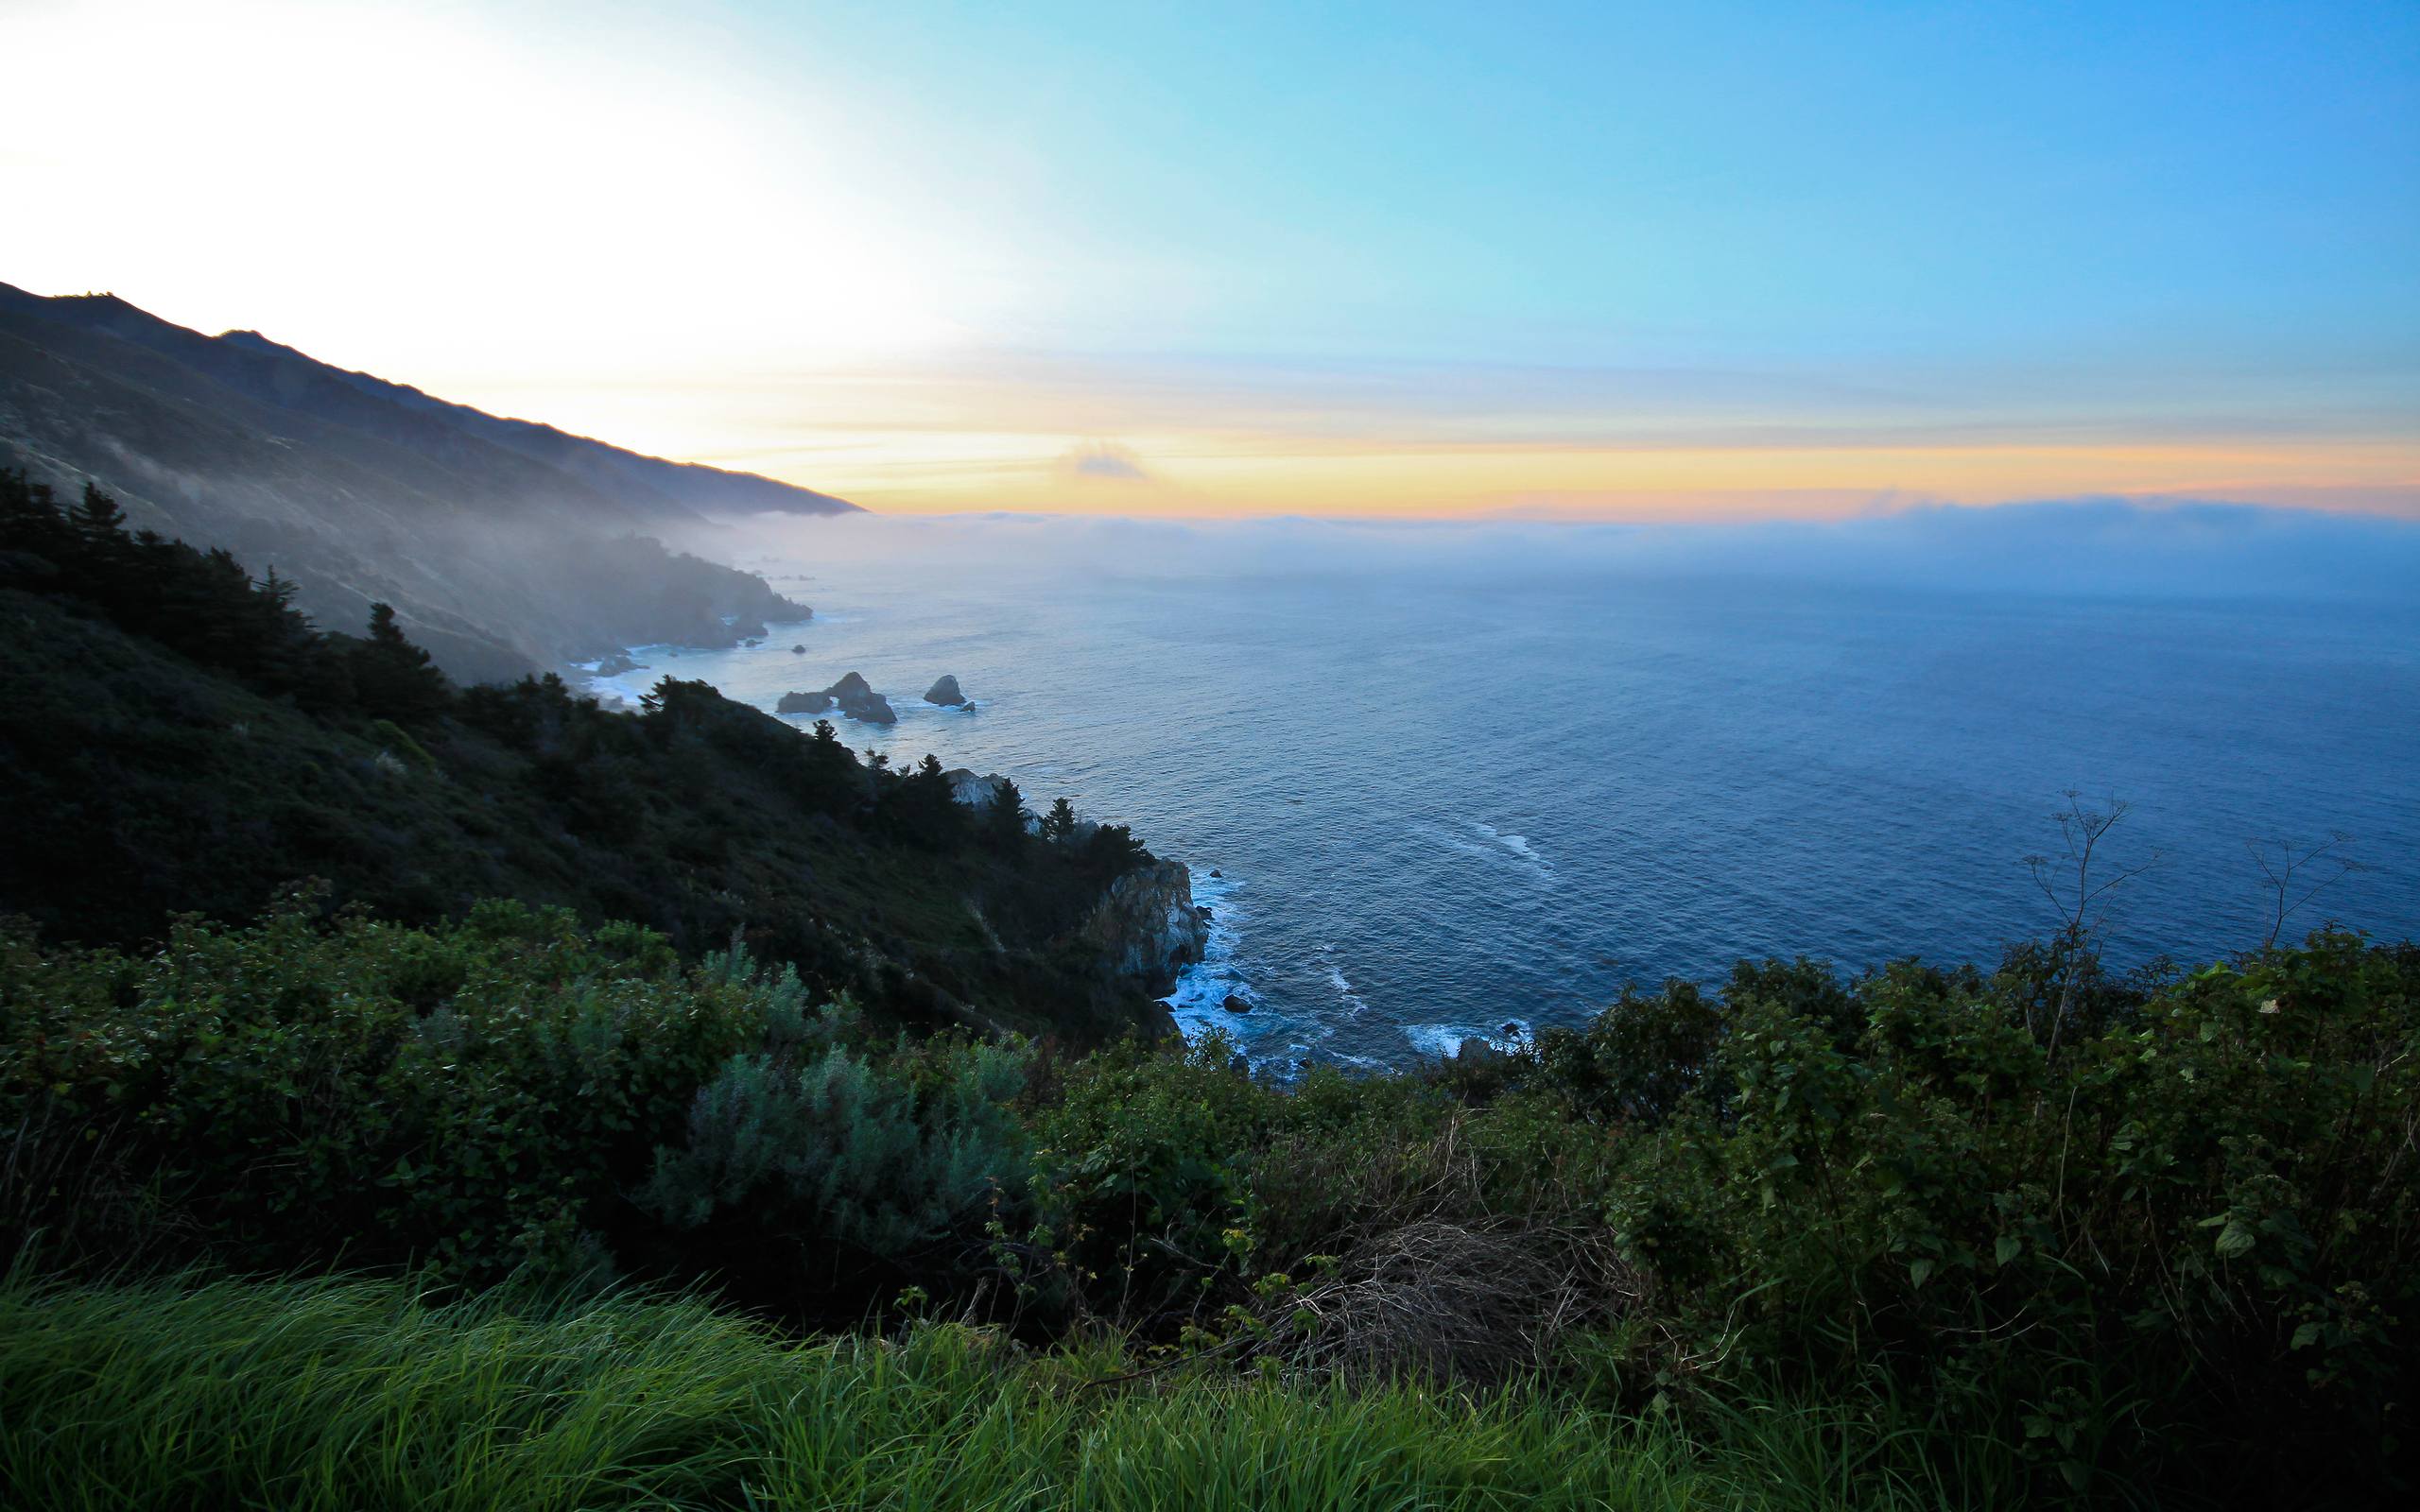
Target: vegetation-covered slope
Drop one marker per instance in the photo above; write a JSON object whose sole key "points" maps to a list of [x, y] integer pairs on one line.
{"points": [[179, 741], [2169, 1260]]}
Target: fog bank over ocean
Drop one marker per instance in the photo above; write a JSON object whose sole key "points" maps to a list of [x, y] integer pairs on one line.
{"points": [[1457, 774], [2166, 549]]}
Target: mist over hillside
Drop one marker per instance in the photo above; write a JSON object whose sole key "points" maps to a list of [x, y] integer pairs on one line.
{"points": [[503, 544]]}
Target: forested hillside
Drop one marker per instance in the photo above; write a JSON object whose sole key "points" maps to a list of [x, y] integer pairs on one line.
{"points": [[179, 740]]}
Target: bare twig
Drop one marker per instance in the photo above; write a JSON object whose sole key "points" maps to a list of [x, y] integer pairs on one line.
{"points": [[2280, 860], [2077, 895]]}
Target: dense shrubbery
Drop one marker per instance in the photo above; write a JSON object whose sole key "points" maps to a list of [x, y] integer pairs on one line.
{"points": [[469, 1098], [2181, 1246], [2195, 1227]]}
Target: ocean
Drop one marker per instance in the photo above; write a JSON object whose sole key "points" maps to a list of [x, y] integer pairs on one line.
{"points": [[1438, 785]]}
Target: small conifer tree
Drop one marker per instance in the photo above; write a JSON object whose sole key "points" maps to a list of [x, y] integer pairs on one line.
{"points": [[1007, 816], [393, 677]]}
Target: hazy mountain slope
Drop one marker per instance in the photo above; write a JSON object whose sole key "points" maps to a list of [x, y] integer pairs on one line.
{"points": [[680, 486], [497, 561]]}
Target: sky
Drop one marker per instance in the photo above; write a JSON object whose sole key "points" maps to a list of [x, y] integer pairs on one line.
{"points": [[1607, 261]]}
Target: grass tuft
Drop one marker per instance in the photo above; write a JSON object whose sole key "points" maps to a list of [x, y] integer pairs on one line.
{"points": [[354, 1394]]}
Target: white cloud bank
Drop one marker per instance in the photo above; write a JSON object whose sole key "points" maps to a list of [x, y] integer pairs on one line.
{"points": [[2097, 547]]}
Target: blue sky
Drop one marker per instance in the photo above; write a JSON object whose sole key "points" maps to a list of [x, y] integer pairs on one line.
{"points": [[1785, 182], [1281, 256]]}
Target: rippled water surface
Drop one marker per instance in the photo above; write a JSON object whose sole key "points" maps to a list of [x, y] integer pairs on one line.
{"points": [[1442, 803]]}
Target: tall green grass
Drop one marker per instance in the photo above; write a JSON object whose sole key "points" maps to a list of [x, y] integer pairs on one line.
{"points": [[358, 1394]]}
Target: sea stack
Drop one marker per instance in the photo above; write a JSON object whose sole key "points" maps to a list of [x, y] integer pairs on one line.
{"points": [[851, 696], [945, 693], [857, 700]]}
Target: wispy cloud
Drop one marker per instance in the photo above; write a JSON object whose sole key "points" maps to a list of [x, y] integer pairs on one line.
{"points": [[1204, 437], [1106, 459]]}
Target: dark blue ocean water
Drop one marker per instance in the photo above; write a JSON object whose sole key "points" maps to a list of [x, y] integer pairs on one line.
{"points": [[1445, 795]]}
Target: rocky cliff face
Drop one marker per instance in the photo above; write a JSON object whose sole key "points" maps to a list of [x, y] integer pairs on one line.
{"points": [[1146, 924]]}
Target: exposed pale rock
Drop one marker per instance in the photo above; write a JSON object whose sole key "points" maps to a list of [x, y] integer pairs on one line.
{"points": [[1146, 926]]}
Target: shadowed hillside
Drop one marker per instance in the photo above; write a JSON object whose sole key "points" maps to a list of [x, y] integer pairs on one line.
{"points": [[504, 545], [177, 739]]}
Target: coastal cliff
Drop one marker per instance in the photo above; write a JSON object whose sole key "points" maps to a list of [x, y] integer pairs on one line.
{"points": [[1145, 925]]}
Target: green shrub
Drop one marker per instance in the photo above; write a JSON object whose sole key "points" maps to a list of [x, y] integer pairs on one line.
{"points": [[1143, 1185], [472, 1097], [2191, 1230], [830, 1148]]}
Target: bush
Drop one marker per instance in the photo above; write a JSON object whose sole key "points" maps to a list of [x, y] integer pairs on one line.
{"points": [[806, 1153], [471, 1097], [1143, 1185], [178, 739], [2192, 1231]]}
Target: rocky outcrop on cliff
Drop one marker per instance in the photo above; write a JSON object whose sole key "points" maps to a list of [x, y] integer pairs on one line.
{"points": [[1145, 925], [976, 791], [982, 792], [852, 697]]}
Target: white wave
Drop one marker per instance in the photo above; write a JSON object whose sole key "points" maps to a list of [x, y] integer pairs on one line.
{"points": [[1518, 845], [1198, 1000], [1343, 985], [1446, 1041], [1500, 846], [1344, 990], [1269, 1040], [1453, 842]]}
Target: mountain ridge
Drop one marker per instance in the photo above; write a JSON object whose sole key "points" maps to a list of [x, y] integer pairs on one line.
{"points": [[697, 486], [505, 546]]}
